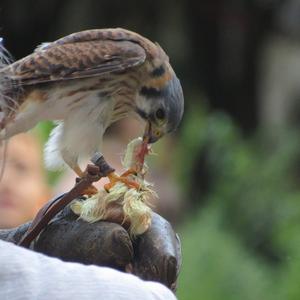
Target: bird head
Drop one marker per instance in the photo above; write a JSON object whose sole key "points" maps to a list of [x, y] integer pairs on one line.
{"points": [[162, 108]]}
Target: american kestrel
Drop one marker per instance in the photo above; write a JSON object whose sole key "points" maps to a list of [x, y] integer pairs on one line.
{"points": [[88, 80]]}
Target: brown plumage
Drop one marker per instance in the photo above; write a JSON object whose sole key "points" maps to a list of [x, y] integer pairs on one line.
{"points": [[88, 80]]}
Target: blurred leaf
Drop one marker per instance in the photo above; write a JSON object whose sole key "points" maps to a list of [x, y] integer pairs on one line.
{"points": [[215, 264], [244, 243]]}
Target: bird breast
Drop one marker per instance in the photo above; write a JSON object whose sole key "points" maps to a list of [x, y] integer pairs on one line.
{"points": [[85, 125], [84, 118]]}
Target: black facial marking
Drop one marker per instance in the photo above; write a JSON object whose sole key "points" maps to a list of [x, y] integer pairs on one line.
{"points": [[142, 114], [150, 92], [158, 71]]}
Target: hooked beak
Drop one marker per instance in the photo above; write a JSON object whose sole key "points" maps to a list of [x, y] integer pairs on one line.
{"points": [[152, 134]]}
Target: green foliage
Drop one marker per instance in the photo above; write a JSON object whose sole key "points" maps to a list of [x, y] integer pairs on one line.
{"points": [[216, 265], [244, 243]]}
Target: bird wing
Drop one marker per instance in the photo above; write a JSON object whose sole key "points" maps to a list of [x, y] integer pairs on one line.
{"points": [[78, 56]]}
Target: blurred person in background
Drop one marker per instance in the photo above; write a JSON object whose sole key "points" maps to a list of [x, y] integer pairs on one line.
{"points": [[23, 188]]}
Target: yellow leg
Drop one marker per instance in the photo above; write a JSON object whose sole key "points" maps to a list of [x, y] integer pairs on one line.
{"points": [[128, 172]]}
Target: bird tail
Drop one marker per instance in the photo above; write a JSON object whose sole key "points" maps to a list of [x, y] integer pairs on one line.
{"points": [[7, 102], [9, 88]]}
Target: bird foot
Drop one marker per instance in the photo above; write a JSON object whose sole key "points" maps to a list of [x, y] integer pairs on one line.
{"points": [[130, 171], [114, 178]]}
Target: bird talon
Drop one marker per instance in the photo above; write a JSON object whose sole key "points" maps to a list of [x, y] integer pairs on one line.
{"points": [[130, 171], [114, 178]]}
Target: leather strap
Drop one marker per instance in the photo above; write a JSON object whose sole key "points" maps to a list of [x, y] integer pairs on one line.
{"points": [[94, 172]]}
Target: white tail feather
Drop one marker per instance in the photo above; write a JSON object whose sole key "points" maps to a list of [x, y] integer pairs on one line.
{"points": [[52, 154]]}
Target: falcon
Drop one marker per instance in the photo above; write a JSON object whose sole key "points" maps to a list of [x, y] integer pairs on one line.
{"points": [[86, 81]]}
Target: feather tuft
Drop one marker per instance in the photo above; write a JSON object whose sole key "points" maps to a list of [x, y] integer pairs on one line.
{"points": [[52, 153]]}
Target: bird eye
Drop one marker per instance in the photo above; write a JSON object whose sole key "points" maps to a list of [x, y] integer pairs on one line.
{"points": [[160, 114]]}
